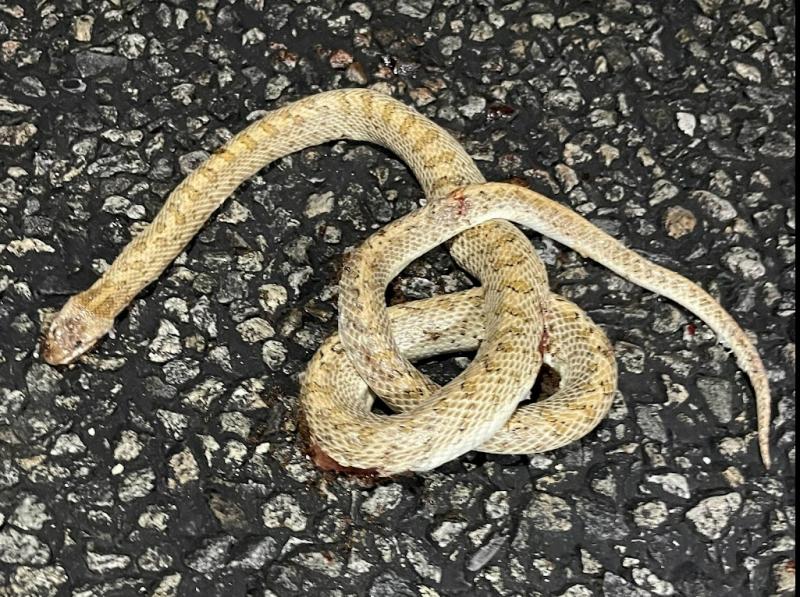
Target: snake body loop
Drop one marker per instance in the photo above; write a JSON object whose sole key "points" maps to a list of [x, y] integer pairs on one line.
{"points": [[519, 320]]}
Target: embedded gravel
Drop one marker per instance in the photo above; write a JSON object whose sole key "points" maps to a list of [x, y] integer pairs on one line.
{"points": [[168, 462]]}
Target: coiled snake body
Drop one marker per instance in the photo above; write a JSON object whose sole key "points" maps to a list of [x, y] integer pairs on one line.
{"points": [[513, 316]]}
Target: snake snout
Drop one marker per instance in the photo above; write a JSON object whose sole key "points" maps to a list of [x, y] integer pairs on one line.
{"points": [[58, 348], [52, 353], [73, 331]]}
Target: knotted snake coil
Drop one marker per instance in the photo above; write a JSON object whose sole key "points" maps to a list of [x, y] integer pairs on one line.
{"points": [[512, 318]]}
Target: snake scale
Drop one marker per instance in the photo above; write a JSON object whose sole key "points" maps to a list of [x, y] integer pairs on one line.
{"points": [[512, 319]]}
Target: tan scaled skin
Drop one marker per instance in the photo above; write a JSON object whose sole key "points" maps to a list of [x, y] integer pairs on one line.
{"points": [[333, 393], [442, 167], [468, 208]]}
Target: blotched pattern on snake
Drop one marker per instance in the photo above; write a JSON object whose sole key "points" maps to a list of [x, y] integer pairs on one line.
{"points": [[514, 317]]}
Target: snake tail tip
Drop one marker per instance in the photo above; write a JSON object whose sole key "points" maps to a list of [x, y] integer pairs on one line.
{"points": [[766, 459]]}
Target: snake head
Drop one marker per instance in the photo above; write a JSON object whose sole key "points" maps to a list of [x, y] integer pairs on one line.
{"points": [[73, 331]]}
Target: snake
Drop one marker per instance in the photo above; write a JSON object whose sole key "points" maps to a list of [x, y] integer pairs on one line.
{"points": [[522, 324]]}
